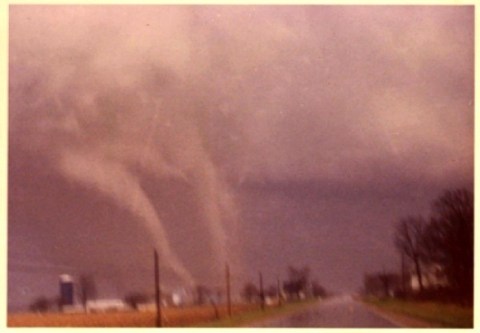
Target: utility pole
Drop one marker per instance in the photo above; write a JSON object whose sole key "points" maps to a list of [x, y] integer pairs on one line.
{"points": [[229, 301], [385, 282], [404, 287], [157, 291], [262, 294], [279, 295]]}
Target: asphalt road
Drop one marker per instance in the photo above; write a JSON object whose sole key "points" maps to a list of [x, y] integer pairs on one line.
{"points": [[341, 311]]}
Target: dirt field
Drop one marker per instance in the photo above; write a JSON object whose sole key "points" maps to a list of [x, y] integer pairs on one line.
{"points": [[173, 317]]}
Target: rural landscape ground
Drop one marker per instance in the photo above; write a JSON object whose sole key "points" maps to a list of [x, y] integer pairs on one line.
{"points": [[340, 311]]}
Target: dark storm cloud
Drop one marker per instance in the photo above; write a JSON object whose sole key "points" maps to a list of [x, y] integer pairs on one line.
{"points": [[375, 91], [357, 114], [300, 82]]}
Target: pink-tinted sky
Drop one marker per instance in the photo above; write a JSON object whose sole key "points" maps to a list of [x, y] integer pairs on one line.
{"points": [[259, 135]]}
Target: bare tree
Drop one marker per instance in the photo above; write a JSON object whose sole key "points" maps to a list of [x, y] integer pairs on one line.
{"points": [[409, 239], [40, 304], [136, 298], [318, 290], [250, 292], [271, 291], [203, 294], [450, 240], [87, 289], [298, 281]]}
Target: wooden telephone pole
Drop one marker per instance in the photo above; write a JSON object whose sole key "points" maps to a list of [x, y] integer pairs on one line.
{"points": [[404, 286], [229, 301], [279, 293], [157, 291], [262, 293]]}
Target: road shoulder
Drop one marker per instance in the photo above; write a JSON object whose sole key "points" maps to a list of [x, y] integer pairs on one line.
{"points": [[400, 320]]}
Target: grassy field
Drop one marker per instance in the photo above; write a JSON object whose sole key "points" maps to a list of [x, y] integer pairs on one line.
{"points": [[441, 315], [172, 317], [198, 316]]}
